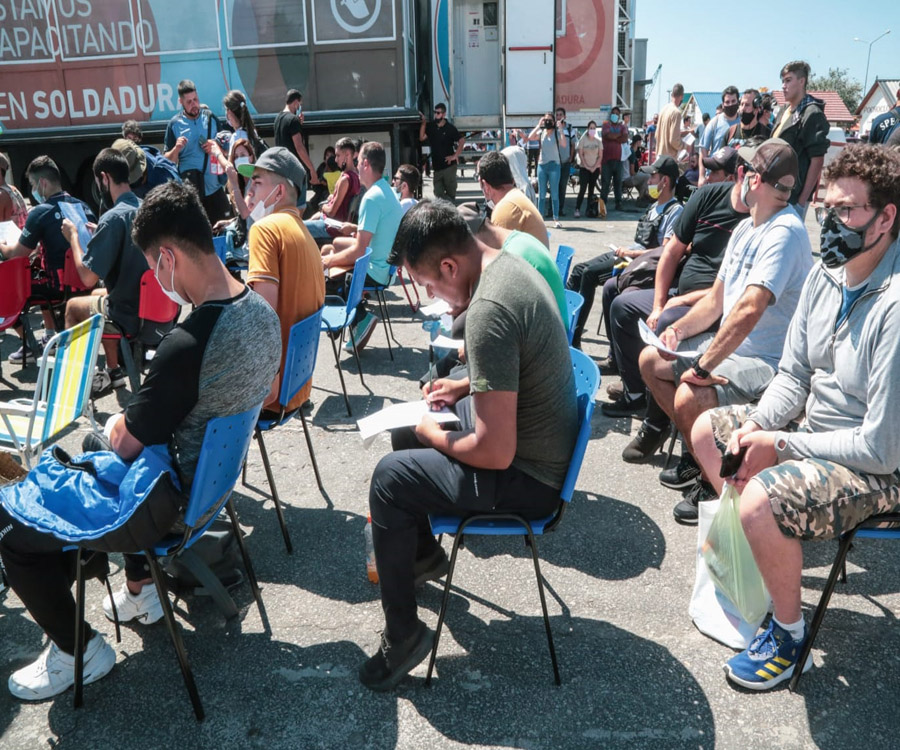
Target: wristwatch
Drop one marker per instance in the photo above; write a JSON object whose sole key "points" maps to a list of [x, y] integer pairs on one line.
{"points": [[695, 365]]}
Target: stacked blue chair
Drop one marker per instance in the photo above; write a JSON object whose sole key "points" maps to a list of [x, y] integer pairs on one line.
{"points": [[303, 346], [574, 303], [587, 381], [222, 452], [339, 316], [564, 261]]}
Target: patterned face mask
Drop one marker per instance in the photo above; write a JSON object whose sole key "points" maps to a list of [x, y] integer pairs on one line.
{"points": [[840, 243]]}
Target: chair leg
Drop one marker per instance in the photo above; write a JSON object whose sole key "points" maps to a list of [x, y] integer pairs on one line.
{"points": [[134, 377], [414, 306], [540, 583], [387, 317], [385, 320], [337, 362], [673, 434], [312, 453], [174, 633], [600, 322], [444, 602], [839, 560], [115, 609], [356, 354], [274, 490], [248, 566], [79, 631]]}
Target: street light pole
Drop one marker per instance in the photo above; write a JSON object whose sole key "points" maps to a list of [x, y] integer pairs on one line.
{"points": [[869, 57]]}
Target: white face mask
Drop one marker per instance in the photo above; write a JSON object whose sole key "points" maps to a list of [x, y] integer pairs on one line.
{"points": [[171, 294], [260, 210], [490, 204], [241, 160], [745, 190], [592, 132]]}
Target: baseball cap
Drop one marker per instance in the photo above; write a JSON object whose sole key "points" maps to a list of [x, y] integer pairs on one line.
{"points": [[664, 165], [773, 159], [134, 155], [725, 158], [280, 161], [473, 217]]}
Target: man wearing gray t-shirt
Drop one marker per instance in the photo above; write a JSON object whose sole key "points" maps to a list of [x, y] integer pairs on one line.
{"points": [[517, 415], [755, 293]]}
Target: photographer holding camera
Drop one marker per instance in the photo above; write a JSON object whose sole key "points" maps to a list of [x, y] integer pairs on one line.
{"points": [[553, 144]]}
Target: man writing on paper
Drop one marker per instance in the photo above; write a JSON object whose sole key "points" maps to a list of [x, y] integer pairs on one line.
{"points": [[755, 293], [518, 416]]}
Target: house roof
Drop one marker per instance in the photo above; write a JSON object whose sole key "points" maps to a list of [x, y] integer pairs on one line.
{"points": [[888, 89], [835, 109], [707, 101]]}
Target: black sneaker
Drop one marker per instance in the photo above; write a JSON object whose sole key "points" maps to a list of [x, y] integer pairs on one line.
{"points": [[645, 444], [117, 377], [625, 407], [384, 670], [615, 390], [431, 568], [683, 475], [686, 511], [608, 366]]}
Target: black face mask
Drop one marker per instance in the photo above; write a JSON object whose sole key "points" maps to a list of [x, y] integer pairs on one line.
{"points": [[840, 243], [730, 111], [747, 117]]}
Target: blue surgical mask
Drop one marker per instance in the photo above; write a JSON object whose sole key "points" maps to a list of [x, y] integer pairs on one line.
{"points": [[613, 118], [36, 196]]}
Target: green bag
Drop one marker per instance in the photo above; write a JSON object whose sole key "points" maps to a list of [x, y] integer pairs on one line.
{"points": [[730, 562]]}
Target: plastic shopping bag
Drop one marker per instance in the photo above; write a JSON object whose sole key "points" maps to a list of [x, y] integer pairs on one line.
{"points": [[730, 561], [710, 610]]}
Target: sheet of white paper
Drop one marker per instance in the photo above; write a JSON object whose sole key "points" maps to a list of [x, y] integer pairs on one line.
{"points": [[435, 310], [651, 339], [74, 212], [613, 246], [445, 342], [9, 232], [688, 140], [400, 415], [334, 223]]}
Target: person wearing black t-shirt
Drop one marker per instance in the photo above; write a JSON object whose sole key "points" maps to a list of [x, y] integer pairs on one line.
{"points": [[705, 224], [44, 227], [289, 134], [446, 145], [220, 360]]}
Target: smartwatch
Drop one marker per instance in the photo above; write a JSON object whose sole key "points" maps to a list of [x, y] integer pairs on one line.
{"points": [[695, 365]]}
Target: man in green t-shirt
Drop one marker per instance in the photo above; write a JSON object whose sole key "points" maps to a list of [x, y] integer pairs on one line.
{"points": [[517, 412]]}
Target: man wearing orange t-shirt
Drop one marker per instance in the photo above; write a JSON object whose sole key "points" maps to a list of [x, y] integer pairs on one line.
{"points": [[285, 264]]}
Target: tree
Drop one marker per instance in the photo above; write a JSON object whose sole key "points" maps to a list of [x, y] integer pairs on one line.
{"points": [[838, 79]]}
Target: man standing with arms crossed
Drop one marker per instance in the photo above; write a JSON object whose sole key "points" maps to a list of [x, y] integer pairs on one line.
{"points": [[446, 145]]}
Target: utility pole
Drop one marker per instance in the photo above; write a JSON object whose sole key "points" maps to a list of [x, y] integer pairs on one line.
{"points": [[869, 57]]}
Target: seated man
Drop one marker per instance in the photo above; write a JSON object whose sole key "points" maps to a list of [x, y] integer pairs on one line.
{"points": [[518, 426], [654, 229], [756, 292], [636, 177], [43, 227], [406, 181], [219, 360], [148, 168], [379, 216], [337, 207], [840, 366], [112, 256], [518, 163], [705, 226], [510, 209], [285, 267], [722, 163]]}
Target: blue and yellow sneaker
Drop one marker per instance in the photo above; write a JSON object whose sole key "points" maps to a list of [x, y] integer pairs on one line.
{"points": [[769, 659]]}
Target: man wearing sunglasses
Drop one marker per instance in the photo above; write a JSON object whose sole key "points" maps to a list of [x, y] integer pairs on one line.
{"points": [[839, 370], [446, 145], [755, 294]]}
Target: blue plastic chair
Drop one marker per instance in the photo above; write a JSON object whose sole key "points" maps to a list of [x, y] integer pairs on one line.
{"points": [[303, 346], [564, 261], [340, 316], [220, 245], [587, 381], [378, 291], [884, 526], [574, 303], [222, 452]]}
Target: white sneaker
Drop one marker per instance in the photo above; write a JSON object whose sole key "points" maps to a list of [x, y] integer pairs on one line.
{"points": [[144, 607], [54, 671]]}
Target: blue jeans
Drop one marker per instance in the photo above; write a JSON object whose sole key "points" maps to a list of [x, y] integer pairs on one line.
{"points": [[548, 177], [317, 229]]}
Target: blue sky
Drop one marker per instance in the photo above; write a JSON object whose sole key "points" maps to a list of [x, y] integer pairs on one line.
{"points": [[710, 45]]}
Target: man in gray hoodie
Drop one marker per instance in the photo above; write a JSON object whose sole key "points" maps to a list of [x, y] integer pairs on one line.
{"points": [[839, 370]]}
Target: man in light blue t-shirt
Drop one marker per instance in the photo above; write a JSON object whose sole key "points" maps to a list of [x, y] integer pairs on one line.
{"points": [[380, 213], [717, 128]]}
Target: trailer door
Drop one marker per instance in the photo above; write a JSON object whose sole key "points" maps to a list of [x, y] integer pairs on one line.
{"points": [[530, 27]]}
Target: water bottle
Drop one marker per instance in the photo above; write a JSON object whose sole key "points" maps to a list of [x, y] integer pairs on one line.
{"points": [[371, 569]]}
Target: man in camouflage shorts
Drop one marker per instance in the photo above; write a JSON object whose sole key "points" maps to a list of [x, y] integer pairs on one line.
{"points": [[841, 368]]}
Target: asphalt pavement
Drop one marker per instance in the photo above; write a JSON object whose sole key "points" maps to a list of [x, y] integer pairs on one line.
{"points": [[619, 572]]}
